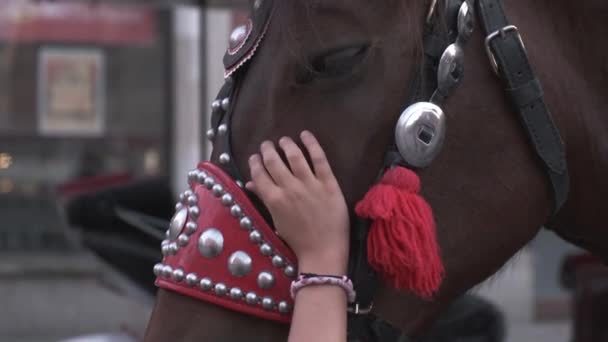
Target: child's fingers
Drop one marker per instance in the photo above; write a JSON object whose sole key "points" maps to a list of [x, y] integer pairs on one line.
{"points": [[317, 155], [295, 157], [275, 166], [261, 183]]}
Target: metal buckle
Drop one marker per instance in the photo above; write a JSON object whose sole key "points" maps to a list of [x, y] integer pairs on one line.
{"points": [[500, 32], [359, 311]]}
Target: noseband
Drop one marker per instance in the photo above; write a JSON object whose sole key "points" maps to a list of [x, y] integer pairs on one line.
{"points": [[419, 136]]}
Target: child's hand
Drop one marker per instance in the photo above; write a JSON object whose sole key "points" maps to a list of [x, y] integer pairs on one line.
{"points": [[308, 208]]}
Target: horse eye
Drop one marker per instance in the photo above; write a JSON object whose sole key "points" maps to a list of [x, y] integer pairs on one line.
{"points": [[339, 62]]}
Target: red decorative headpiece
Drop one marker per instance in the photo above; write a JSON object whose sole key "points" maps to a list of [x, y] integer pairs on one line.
{"points": [[221, 250]]}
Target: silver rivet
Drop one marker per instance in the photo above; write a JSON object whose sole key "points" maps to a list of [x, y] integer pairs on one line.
{"points": [[192, 200], [267, 303], [191, 228], [210, 134], [284, 307], [187, 194], [206, 284], [226, 104], [227, 199], [239, 264], [182, 197], [192, 176], [255, 236], [265, 280], [246, 223], [167, 271], [158, 268], [220, 289], [251, 298], [222, 129], [178, 275], [265, 249], [179, 206], [164, 249], [201, 177], [239, 183], [236, 211], [211, 243], [177, 223], [209, 182], [278, 261], [236, 293], [165, 242], [216, 105], [218, 190], [238, 36], [290, 271], [182, 240], [191, 279], [173, 248], [194, 212], [224, 158]]}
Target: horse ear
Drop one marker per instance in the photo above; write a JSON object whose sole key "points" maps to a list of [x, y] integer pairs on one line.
{"points": [[402, 245]]}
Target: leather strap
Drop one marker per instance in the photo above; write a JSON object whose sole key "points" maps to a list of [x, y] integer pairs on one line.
{"points": [[526, 93]]}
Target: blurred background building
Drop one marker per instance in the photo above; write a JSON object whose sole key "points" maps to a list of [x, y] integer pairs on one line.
{"points": [[98, 94]]}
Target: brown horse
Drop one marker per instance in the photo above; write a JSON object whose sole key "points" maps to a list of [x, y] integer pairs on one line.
{"points": [[488, 191]]}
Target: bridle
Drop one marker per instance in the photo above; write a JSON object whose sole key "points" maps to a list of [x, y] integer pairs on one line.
{"points": [[420, 131]]}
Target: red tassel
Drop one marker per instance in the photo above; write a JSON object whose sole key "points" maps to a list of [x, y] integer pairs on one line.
{"points": [[402, 245]]}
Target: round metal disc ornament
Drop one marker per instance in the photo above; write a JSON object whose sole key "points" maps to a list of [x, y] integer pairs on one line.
{"points": [[211, 243], [239, 264], [420, 133]]}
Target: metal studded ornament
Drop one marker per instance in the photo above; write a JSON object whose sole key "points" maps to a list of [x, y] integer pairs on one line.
{"points": [[219, 249]]}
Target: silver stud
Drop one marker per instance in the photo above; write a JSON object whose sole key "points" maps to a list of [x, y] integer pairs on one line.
{"points": [[201, 177], [182, 240], [239, 264], [267, 303], [251, 298], [194, 212], [277, 261], [238, 36], [227, 199], [216, 105], [226, 104], [191, 176], [165, 242], [187, 194], [191, 228], [222, 129], [224, 158], [182, 197], [220, 289], [178, 275], [240, 184], [209, 182], [211, 243], [290, 271], [191, 279], [210, 134], [265, 280], [177, 223], [246, 223], [236, 293], [173, 248], [179, 206], [265, 249], [158, 268], [236, 211], [284, 307], [192, 200], [206, 284], [255, 236], [164, 249], [167, 271], [218, 190]]}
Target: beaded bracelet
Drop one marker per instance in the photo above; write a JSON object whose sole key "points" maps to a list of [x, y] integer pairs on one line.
{"points": [[306, 279]]}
